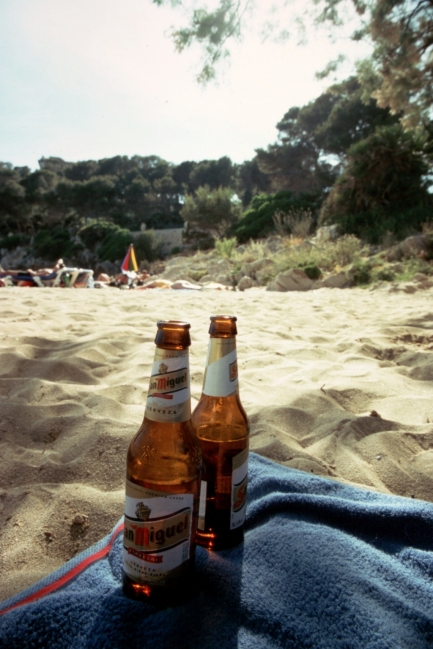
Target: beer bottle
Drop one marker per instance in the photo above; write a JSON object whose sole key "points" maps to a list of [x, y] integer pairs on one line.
{"points": [[222, 428], [163, 480]]}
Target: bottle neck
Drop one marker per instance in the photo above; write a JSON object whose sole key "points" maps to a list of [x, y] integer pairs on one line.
{"points": [[221, 375], [169, 395]]}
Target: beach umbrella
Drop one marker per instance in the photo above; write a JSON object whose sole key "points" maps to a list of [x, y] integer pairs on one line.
{"points": [[129, 263]]}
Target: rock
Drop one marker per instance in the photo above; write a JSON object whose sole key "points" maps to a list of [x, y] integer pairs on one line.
{"points": [[415, 246], [327, 233], [221, 266], [339, 280], [80, 519], [420, 277], [274, 243], [422, 280], [175, 272], [254, 268], [223, 278], [238, 276], [245, 282], [106, 268], [14, 259], [409, 287], [178, 261], [291, 280]]}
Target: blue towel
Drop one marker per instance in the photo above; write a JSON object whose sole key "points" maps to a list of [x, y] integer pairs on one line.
{"points": [[323, 565]]}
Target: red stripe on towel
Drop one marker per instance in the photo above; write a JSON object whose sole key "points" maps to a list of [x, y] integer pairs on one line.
{"points": [[73, 572]]}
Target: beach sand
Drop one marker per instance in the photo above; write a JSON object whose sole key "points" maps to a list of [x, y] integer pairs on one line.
{"points": [[335, 382]]}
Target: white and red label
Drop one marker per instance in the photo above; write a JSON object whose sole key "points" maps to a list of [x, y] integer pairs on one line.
{"points": [[157, 532], [169, 396]]}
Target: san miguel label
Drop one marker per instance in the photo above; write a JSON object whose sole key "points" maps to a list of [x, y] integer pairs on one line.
{"points": [[168, 397], [157, 532], [221, 375]]}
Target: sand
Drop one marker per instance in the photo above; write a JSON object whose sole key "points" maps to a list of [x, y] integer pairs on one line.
{"points": [[335, 382]]}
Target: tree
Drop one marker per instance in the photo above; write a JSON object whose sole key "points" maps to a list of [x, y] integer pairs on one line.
{"points": [[250, 181], [399, 74], [212, 211], [313, 140], [383, 186], [15, 214], [213, 173]]}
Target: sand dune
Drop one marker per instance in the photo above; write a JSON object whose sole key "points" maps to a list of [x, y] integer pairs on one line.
{"points": [[337, 382]]}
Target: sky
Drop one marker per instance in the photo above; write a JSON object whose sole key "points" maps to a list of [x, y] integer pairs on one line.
{"points": [[91, 79]]}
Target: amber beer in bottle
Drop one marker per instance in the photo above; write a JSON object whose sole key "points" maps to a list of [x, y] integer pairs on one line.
{"points": [[163, 480], [222, 428]]}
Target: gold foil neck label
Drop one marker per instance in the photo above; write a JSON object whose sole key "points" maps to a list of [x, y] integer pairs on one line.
{"points": [[220, 347], [221, 375]]}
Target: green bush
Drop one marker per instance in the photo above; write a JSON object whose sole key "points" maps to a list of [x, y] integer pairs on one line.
{"points": [[258, 220], [112, 241], [382, 189], [13, 241], [205, 243], [225, 247], [384, 275], [53, 244], [311, 270], [360, 274], [374, 225], [147, 247], [95, 231], [115, 244]]}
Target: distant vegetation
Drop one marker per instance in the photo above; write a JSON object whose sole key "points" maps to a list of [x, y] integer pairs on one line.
{"points": [[338, 160]]}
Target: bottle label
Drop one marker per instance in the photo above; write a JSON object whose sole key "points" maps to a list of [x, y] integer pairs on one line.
{"points": [[221, 375], [169, 396], [157, 533], [202, 506], [239, 489]]}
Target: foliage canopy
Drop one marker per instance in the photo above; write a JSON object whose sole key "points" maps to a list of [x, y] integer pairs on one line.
{"points": [[399, 73], [383, 186]]}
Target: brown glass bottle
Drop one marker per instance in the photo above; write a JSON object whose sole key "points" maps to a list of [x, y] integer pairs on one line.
{"points": [[222, 428], [163, 480]]}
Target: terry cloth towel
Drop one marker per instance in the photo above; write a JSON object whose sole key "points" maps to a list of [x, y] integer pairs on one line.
{"points": [[323, 565]]}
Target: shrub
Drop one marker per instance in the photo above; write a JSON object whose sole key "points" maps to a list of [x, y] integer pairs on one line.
{"points": [[296, 222], [225, 247], [205, 243], [53, 244], [258, 221], [377, 225], [384, 275], [147, 247], [95, 231], [311, 270], [13, 241], [382, 188], [115, 244], [326, 256], [360, 274]]}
